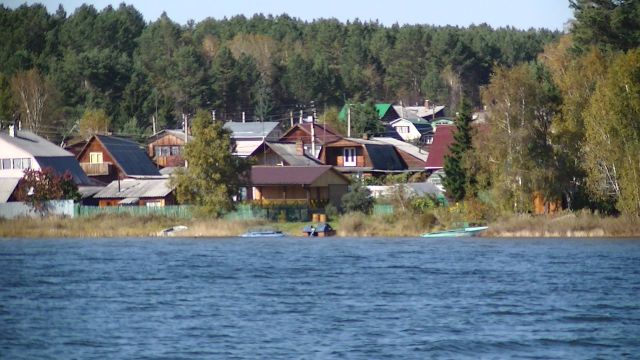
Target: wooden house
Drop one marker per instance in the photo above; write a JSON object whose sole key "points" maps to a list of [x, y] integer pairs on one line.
{"points": [[314, 186], [312, 135], [108, 158], [137, 192], [362, 157], [283, 154], [166, 147]]}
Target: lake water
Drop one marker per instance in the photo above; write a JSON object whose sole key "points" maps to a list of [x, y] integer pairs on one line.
{"points": [[319, 299]]}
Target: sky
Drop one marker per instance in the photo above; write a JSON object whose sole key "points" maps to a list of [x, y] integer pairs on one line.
{"points": [[522, 14]]}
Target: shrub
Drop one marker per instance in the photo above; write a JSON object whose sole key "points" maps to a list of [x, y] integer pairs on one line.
{"points": [[358, 199]]}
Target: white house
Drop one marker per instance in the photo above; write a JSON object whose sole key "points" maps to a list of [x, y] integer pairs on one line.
{"points": [[20, 150], [250, 135], [413, 128]]}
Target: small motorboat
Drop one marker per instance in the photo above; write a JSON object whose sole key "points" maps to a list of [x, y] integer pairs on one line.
{"points": [[263, 233], [461, 232], [321, 230]]}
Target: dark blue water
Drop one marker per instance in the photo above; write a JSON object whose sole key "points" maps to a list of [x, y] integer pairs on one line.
{"points": [[319, 299]]}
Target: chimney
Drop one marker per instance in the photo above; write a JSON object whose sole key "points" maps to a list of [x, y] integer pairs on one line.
{"points": [[365, 136], [426, 104], [299, 147], [243, 116]]}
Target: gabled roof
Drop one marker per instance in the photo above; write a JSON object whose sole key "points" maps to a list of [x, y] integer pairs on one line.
{"points": [[323, 132], [127, 155], [442, 139], [407, 114], [384, 157], [291, 175], [179, 133], [47, 154], [62, 164], [34, 144], [381, 108], [404, 146], [254, 129], [425, 112], [136, 188], [288, 153], [7, 186]]}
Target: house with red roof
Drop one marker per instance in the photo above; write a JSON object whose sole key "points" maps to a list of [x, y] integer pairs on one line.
{"points": [[442, 139], [314, 186]]}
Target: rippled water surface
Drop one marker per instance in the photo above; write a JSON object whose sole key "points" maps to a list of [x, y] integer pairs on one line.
{"points": [[336, 298]]}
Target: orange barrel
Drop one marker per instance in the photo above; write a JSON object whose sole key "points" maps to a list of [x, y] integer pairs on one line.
{"points": [[323, 218], [314, 217]]}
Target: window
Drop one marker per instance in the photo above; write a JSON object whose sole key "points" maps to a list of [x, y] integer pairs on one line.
{"points": [[427, 139], [402, 129], [349, 156], [6, 164], [95, 157], [165, 150], [17, 163], [175, 150], [26, 163], [155, 203]]}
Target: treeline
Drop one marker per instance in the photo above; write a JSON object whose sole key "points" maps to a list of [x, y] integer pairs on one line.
{"points": [[54, 67], [566, 127]]}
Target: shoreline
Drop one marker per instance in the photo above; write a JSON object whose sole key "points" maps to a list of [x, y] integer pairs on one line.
{"points": [[562, 226]]}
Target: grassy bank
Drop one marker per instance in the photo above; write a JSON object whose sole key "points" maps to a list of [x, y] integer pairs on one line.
{"points": [[354, 224], [116, 226], [580, 224]]}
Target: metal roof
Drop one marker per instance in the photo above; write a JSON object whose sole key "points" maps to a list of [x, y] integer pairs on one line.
{"points": [[34, 144], [404, 146], [380, 108], [424, 112], [128, 155], [179, 133], [135, 188], [250, 129], [7, 186], [289, 175], [62, 164], [287, 151], [385, 157], [442, 138]]}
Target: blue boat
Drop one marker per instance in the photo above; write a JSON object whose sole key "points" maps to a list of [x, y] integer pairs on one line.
{"points": [[461, 232]]}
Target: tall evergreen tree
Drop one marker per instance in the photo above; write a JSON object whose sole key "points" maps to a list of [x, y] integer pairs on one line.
{"points": [[458, 178]]}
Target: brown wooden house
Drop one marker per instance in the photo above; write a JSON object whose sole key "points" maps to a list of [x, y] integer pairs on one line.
{"points": [[363, 157], [320, 133], [314, 186], [166, 147], [107, 158], [137, 192], [283, 154]]}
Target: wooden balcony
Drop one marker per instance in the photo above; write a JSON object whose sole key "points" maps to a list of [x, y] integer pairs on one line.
{"points": [[96, 169]]}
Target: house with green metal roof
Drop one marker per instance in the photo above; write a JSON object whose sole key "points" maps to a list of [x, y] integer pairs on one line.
{"points": [[386, 112]]}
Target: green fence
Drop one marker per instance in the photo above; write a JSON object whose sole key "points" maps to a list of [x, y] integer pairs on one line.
{"points": [[243, 212], [177, 211], [382, 209]]}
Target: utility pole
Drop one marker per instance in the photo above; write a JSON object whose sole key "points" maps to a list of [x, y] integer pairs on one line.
{"points": [[291, 116], [348, 120], [301, 116]]}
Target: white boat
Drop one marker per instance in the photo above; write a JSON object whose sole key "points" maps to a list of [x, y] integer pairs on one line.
{"points": [[462, 232], [263, 233]]}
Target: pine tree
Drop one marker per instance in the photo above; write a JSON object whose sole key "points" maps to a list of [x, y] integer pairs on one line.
{"points": [[457, 177]]}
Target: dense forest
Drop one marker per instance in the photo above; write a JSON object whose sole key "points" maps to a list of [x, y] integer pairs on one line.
{"points": [[564, 128], [111, 65]]}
